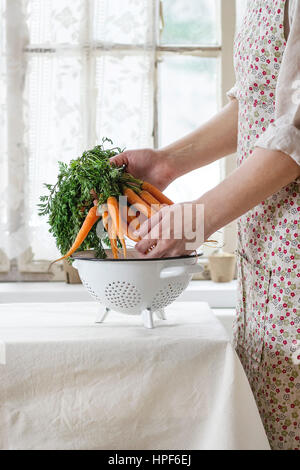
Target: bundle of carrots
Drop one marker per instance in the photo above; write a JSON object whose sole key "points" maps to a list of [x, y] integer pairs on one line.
{"points": [[120, 221]]}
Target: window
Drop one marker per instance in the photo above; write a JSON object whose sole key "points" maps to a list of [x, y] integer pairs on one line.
{"points": [[141, 72]]}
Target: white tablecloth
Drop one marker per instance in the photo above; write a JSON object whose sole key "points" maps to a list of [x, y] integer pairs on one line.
{"points": [[66, 383]]}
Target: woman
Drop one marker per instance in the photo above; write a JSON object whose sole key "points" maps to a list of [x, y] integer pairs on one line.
{"points": [[262, 122]]}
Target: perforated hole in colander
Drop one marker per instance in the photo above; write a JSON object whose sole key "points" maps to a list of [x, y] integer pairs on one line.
{"points": [[91, 291], [166, 295], [123, 294]]}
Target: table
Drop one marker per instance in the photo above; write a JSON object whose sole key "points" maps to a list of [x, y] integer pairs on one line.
{"points": [[67, 383]]}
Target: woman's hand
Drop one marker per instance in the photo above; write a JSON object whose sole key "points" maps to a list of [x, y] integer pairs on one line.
{"points": [[153, 166], [173, 231]]}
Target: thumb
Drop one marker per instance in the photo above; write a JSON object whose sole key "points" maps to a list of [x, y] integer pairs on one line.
{"points": [[119, 160]]}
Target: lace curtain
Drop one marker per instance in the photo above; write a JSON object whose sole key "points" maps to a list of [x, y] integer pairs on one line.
{"points": [[3, 132], [70, 73]]}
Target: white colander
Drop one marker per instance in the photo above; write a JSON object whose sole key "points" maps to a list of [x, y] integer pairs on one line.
{"points": [[135, 286]]}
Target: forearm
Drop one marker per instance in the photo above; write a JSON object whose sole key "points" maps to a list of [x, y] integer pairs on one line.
{"points": [[215, 139], [262, 174]]}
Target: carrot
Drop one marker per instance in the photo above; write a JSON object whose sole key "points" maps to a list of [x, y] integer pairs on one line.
{"points": [[162, 199], [150, 199], [113, 210], [131, 236], [112, 234], [105, 218], [107, 223], [86, 227], [132, 226], [137, 201], [129, 214], [130, 223]]}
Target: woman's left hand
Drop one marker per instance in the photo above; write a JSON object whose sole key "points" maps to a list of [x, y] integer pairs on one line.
{"points": [[173, 231]]}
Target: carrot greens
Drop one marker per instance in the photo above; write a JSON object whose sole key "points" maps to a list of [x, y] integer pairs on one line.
{"points": [[70, 199]]}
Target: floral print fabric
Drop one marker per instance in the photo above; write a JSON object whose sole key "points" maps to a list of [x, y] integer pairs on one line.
{"points": [[267, 327]]}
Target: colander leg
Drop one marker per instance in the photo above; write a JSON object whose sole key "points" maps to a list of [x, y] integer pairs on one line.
{"points": [[147, 318], [102, 314], [161, 314]]}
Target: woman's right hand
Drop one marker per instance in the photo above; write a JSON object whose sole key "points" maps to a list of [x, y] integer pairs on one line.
{"points": [[149, 165]]}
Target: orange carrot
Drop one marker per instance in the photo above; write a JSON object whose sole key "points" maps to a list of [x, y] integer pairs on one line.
{"points": [[157, 193], [113, 210], [134, 225], [105, 218], [107, 223], [137, 201], [86, 227], [128, 214], [150, 199], [112, 234], [130, 223]]}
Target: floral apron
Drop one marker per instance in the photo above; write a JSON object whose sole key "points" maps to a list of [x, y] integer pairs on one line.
{"points": [[267, 326]]}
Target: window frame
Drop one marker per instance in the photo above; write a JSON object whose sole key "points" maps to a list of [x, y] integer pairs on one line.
{"points": [[25, 268]]}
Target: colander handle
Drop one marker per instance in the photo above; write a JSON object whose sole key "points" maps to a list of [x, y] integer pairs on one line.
{"points": [[176, 271]]}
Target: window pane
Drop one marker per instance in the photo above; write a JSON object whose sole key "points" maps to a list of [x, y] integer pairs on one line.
{"points": [[125, 99], [120, 21], [56, 21], [80, 21], [123, 21], [188, 97], [190, 22]]}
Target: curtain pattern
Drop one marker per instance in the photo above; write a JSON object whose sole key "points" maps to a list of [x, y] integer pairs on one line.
{"points": [[83, 70]]}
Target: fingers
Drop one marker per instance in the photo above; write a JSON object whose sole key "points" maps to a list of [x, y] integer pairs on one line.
{"points": [[145, 245], [152, 245], [119, 160], [153, 248], [162, 249], [152, 225], [167, 249]]}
